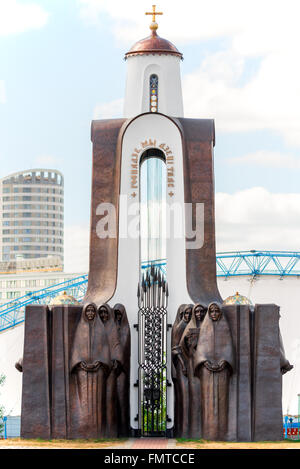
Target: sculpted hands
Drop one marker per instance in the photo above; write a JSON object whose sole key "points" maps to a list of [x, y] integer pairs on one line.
{"points": [[90, 366], [215, 366]]}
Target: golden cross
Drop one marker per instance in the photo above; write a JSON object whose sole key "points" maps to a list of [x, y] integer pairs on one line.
{"points": [[153, 13]]}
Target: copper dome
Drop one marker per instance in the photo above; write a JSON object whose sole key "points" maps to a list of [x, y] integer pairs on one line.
{"points": [[153, 44]]}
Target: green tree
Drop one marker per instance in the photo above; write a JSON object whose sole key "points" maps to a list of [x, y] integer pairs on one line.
{"points": [[2, 379]]}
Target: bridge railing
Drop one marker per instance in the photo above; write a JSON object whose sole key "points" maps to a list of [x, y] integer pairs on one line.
{"points": [[13, 312], [229, 264]]}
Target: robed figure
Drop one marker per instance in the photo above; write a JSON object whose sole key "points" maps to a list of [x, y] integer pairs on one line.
{"points": [[179, 371], [89, 368], [116, 361], [123, 379], [188, 345], [213, 365]]}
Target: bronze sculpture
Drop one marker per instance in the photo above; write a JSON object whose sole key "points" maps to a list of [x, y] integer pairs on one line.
{"points": [[199, 312], [188, 345], [58, 367], [123, 379], [89, 368], [179, 370], [19, 365], [213, 365], [116, 359]]}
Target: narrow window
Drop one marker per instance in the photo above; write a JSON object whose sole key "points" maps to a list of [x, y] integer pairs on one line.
{"points": [[153, 209], [154, 93]]}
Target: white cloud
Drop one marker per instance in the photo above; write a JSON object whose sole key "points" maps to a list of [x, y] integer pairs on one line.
{"points": [[109, 110], [249, 219], [264, 30], [17, 17], [77, 248], [254, 26], [268, 159], [2, 92], [257, 219], [269, 100]]}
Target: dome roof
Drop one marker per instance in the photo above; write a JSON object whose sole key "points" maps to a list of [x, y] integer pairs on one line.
{"points": [[153, 44], [237, 299], [64, 299]]}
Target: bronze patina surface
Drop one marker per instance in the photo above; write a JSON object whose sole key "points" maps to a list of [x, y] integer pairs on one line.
{"points": [[227, 364], [76, 375], [228, 376], [198, 141]]}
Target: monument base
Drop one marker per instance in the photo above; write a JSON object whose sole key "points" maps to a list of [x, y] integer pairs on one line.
{"points": [[52, 384], [228, 382], [72, 380]]}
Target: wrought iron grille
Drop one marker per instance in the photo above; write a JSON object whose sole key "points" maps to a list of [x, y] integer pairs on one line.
{"points": [[153, 298]]}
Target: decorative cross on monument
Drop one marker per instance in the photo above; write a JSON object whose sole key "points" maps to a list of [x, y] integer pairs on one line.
{"points": [[153, 13]]}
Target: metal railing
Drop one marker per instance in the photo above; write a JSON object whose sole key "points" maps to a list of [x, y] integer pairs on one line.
{"points": [[13, 312], [229, 264]]}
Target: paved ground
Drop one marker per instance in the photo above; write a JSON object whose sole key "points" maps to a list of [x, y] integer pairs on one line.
{"points": [[143, 443], [132, 443]]}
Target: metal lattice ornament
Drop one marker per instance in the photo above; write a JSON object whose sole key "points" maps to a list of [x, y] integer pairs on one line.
{"points": [[153, 298]]}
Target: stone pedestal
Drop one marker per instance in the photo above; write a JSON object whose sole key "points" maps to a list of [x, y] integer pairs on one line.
{"points": [[267, 421], [239, 418], [50, 386], [45, 394], [255, 384], [36, 411]]}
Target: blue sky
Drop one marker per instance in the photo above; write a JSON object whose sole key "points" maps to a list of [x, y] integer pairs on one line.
{"points": [[54, 77], [61, 64]]}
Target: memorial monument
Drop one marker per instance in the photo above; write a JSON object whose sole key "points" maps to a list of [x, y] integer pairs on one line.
{"points": [[169, 358]]}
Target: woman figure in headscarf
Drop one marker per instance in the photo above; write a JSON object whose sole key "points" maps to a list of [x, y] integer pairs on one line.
{"points": [[89, 367], [199, 312], [116, 357], [123, 379], [188, 345], [179, 370], [213, 365]]}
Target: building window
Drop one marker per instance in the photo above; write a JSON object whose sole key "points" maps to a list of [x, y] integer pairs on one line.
{"points": [[13, 294], [153, 93], [13, 284], [30, 283]]}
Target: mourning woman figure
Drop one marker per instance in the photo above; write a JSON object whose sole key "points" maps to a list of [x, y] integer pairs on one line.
{"points": [[213, 365], [123, 329], [116, 361], [89, 367], [188, 345], [199, 312], [179, 371]]}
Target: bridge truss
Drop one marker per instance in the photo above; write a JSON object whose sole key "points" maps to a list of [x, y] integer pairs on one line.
{"points": [[13, 312], [229, 264]]}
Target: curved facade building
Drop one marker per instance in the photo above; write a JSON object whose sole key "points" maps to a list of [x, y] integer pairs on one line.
{"points": [[32, 215]]}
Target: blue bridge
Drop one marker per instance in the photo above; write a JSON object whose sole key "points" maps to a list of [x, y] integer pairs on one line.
{"points": [[229, 264], [13, 312]]}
